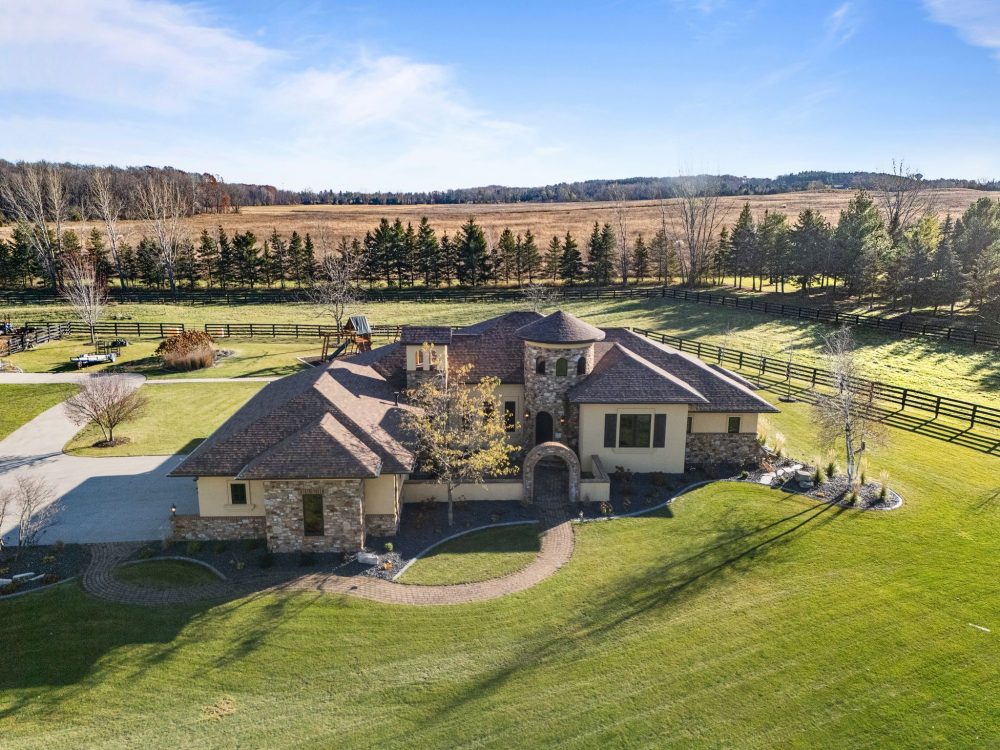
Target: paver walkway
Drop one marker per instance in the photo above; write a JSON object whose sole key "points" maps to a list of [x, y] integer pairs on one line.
{"points": [[556, 550]]}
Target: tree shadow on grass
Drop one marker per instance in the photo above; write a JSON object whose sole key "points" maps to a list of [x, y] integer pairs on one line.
{"points": [[738, 548]]}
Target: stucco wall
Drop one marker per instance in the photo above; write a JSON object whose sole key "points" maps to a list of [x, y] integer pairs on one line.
{"points": [[213, 498], [669, 458], [719, 422], [416, 491], [440, 349], [380, 494]]}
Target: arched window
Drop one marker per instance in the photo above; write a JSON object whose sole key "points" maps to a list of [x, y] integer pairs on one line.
{"points": [[581, 366], [540, 366], [562, 367]]}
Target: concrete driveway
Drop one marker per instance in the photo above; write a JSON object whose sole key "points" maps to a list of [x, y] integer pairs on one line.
{"points": [[100, 499]]}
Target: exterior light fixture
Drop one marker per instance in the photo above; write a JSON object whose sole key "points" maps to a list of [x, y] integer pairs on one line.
{"points": [[173, 510], [527, 414]]}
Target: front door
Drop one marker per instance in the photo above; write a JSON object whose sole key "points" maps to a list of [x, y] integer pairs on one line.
{"points": [[543, 427]]}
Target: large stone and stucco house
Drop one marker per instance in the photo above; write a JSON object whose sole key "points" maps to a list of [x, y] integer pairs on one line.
{"points": [[319, 459]]}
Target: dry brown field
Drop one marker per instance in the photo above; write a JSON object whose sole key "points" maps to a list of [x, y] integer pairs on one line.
{"points": [[544, 219]]}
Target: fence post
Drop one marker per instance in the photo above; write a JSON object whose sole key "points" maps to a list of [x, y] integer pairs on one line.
{"points": [[906, 392], [972, 417]]}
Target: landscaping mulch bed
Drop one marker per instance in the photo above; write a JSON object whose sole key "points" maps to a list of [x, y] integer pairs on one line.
{"points": [[53, 562], [837, 491]]}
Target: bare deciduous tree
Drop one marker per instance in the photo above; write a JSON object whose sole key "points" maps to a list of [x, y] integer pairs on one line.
{"points": [[36, 197], [84, 291], [108, 401], [109, 205], [621, 221], [457, 432], [334, 289], [699, 213], [904, 197], [848, 413], [34, 501], [539, 297], [163, 203]]}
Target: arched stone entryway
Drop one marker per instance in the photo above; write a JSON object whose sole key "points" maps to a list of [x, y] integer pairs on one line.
{"points": [[551, 450]]}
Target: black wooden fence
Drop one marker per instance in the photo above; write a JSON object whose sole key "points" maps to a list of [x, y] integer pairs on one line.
{"points": [[30, 336], [118, 328], [892, 396], [287, 330]]}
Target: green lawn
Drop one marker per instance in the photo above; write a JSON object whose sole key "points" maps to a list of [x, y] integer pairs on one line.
{"points": [[22, 403], [737, 617], [948, 369], [478, 556], [165, 574], [177, 418]]}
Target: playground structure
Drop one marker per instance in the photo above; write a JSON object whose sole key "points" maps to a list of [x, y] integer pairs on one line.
{"points": [[355, 337]]}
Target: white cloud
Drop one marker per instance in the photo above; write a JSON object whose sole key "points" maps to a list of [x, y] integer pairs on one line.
{"points": [[976, 21], [841, 24], [160, 83]]}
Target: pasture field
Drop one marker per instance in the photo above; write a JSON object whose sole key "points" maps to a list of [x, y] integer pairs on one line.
{"points": [[947, 369], [737, 617], [329, 223]]}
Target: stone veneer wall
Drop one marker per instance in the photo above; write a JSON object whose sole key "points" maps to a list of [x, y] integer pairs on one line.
{"points": [[343, 515], [210, 528], [382, 524], [715, 448], [548, 392], [415, 377]]}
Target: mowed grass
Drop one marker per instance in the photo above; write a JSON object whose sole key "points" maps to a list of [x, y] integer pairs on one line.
{"points": [[20, 403], [177, 418], [250, 358], [737, 617], [477, 556], [953, 370], [165, 574]]}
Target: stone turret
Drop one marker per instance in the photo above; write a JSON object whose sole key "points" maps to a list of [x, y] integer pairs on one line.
{"points": [[558, 354]]}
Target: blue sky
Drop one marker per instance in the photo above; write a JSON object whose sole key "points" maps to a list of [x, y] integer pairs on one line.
{"points": [[421, 95]]}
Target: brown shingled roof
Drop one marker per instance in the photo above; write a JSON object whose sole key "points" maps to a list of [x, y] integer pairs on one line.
{"points": [[622, 377], [425, 335], [492, 347], [723, 393], [560, 328]]}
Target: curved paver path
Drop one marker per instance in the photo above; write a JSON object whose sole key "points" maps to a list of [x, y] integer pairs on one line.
{"points": [[556, 550]]}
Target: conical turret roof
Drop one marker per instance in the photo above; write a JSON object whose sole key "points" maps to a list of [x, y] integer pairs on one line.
{"points": [[560, 328]]}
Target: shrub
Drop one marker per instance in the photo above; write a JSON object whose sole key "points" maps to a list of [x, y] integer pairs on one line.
{"points": [[50, 578], [49, 560], [306, 559], [145, 553], [266, 560], [218, 548], [831, 469], [744, 474], [10, 588], [237, 563], [606, 508], [190, 350], [387, 547], [193, 547], [817, 476], [659, 479], [58, 546], [253, 544]]}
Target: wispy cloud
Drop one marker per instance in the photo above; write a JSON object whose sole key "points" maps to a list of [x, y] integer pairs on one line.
{"points": [[976, 21], [161, 82], [842, 23]]}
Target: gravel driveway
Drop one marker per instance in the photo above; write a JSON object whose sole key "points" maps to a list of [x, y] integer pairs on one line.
{"points": [[101, 499]]}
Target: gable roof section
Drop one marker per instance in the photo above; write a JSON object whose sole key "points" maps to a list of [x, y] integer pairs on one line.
{"points": [[560, 328], [359, 401], [492, 347], [724, 394], [622, 377], [323, 449], [425, 335]]}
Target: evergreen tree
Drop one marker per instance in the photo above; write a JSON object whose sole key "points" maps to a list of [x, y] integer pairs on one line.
{"points": [[279, 258], [774, 246], [148, 266], [21, 257], [662, 250], [810, 240], [379, 246], [571, 262], [509, 254], [599, 256], [186, 264], [862, 244], [97, 250], [227, 264], [976, 231], [473, 268], [296, 252], [428, 253], [723, 256], [247, 259], [744, 245], [208, 256], [917, 250], [265, 264], [308, 266], [640, 259], [553, 257], [449, 260], [130, 263], [531, 257]]}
